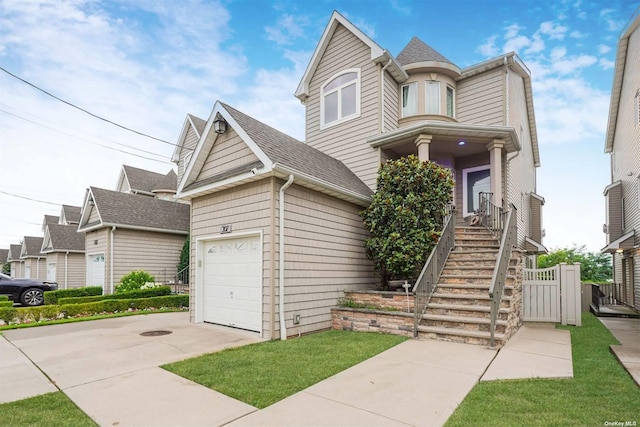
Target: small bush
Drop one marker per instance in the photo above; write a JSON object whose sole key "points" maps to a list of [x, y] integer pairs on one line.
{"points": [[4, 298], [51, 297], [53, 312], [134, 281], [6, 303], [142, 293]]}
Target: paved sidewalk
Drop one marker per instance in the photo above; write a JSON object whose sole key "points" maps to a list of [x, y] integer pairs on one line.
{"points": [[111, 372], [627, 332], [537, 350]]}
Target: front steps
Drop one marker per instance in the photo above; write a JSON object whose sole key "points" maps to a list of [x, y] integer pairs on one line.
{"points": [[460, 308]]}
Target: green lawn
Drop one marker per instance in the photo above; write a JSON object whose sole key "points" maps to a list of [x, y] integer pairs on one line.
{"points": [[46, 410], [601, 391], [264, 373]]}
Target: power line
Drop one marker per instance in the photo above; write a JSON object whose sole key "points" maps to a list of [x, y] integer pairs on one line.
{"points": [[94, 143], [30, 199], [71, 135], [86, 111]]}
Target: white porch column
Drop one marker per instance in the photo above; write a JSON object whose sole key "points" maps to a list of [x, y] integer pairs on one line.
{"points": [[422, 142], [495, 155]]}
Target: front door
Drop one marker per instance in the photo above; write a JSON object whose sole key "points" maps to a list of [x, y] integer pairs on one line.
{"points": [[475, 180]]}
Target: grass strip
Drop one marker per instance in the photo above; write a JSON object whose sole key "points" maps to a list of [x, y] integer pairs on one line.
{"points": [[264, 373], [600, 393], [46, 410]]}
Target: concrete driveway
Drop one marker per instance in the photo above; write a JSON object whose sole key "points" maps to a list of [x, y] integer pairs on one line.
{"points": [[107, 364]]}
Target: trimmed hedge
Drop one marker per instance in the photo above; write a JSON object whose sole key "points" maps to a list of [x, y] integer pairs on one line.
{"points": [[52, 312], [142, 293], [4, 298], [5, 303], [52, 297]]}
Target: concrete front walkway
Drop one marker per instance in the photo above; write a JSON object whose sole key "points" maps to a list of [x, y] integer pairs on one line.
{"points": [[627, 332], [111, 372]]}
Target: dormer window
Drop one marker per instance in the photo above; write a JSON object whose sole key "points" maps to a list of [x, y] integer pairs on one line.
{"points": [[340, 98], [432, 93], [410, 100]]}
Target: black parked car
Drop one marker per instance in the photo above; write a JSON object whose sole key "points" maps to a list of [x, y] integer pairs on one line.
{"points": [[28, 292]]}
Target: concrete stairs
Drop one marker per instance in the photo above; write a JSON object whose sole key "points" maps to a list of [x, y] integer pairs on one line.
{"points": [[460, 308]]}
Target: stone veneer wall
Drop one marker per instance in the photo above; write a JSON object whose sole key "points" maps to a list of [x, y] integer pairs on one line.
{"points": [[383, 299], [514, 320], [360, 320]]}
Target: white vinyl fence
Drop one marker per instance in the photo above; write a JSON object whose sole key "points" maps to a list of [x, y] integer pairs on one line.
{"points": [[552, 294]]}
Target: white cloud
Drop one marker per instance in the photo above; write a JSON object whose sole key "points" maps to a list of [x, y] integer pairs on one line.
{"points": [[576, 34], [558, 53], [287, 29], [553, 30], [512, 31], [572, 64], [537, 45], [368, 28], [612, 24], [603, 48], [489, 48], [606, 64]]}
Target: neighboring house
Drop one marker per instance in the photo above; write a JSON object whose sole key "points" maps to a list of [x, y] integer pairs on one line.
{"points": [[64, 249], [70, 215], [4, 254], [140, 181], [276, 236], [17, 264], [35, 262], [126, 232], [49, 219], [623, 143]]}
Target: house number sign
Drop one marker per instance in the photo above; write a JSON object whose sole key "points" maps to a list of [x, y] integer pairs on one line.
{"points": [[224, 229]]}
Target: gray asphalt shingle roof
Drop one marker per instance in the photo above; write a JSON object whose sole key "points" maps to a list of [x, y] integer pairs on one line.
{"points": [[135, 210], [169, 182], [65, 237], [32, 246], [51, 219], [289, 152], [144, 180], [14, 252], [4, 254], [198, 123], [72, 213], [419, 51]]}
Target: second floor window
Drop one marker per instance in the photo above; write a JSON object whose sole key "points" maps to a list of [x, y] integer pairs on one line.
{"points": [[432, 98], [340, 98], [410, 100], [451, 112]]}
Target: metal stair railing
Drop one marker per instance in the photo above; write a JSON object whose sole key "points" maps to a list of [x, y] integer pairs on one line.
{"points": [[508, 241], [181, 278], [490, 215], [428, 279]]}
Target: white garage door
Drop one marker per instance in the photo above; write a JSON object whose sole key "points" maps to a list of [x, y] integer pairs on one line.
{"points": [[232, 282], [95, 270]]}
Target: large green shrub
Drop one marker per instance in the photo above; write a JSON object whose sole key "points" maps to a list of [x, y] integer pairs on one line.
{"points": [[142, 293], [6, 303], [51, 297], [134, 281], [184, 260], [406, 216]]}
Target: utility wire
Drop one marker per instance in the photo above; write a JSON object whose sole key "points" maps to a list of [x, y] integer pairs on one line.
{"points": [[29, 198], [94, 143], [86, 111], [72, 135]]}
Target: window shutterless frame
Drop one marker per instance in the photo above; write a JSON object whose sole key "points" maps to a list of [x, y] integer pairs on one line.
{"points": [[340, 98]]}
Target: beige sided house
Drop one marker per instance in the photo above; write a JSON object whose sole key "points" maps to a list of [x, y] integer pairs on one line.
{"points": [[276, 235], [64, 248], [70, 215], [128, 232], [4, 254], [35, 262], [17, 264], [623, 144], [140, 181]]}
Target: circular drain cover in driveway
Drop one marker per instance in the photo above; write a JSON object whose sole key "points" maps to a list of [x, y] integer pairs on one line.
{"points": [[155, 333]]}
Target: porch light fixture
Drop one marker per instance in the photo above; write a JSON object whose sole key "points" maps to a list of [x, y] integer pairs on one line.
{"points": [[461, 143], [219, 125]]}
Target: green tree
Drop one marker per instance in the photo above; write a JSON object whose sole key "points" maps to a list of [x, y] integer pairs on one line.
{"points": [[6, 268], [594, 266], [184, 260], [406, 216]]}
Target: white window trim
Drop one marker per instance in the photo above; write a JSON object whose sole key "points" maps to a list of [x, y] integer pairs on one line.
{"points": [[415, 86], [453, 100], [426, 96], [324, 125], [465, 172]]}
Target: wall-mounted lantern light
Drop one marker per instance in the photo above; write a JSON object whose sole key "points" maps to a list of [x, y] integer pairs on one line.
{"points": [[219, 125]]}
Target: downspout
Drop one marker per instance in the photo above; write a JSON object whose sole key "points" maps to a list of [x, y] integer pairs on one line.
{"points": [[283, 327], [506, 85], [66, 269], [113, 232], [382, 96]]}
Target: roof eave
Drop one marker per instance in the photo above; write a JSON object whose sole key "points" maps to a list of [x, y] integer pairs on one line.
{"points": [[620, 244], [132, 227]]}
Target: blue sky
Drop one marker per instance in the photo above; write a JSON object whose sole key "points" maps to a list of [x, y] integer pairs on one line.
{"points": [[146, 64]]}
